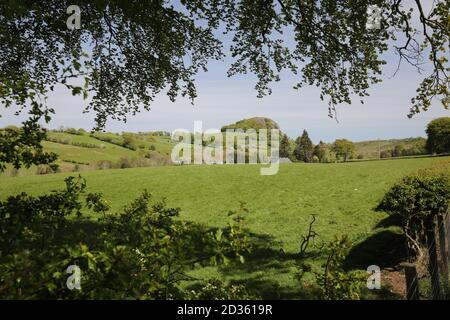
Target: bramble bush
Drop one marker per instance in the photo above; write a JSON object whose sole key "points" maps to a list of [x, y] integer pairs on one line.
{"points": [[142, 252]]}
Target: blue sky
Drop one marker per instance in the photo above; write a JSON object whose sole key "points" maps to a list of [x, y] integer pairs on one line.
{"points": [[222, 100]]}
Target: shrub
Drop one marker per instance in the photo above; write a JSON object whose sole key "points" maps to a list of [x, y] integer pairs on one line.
{"points": [[84, 145], [438, 132], [328, 156], [81, 132], [54, 167], [343, 148], [13, 172], [104, 164], [71, 131], [417, 199], [335, 283], [44, 169], [216, 289], [385, 154], [129, 141], [124, 163], [142, 252]]}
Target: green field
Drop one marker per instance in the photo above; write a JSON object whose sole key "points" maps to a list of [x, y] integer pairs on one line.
{"points": [[371, 149], [342, 196], [86, 152], [104, 150]]}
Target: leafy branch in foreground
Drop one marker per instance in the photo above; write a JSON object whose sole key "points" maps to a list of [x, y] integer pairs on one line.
{"points": [[143, 252], [333, 282]]}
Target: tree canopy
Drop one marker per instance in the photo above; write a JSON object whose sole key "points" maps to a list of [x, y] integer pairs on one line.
{"points": [[125, 53], [304, 148], [438, 131], [344, 148]]}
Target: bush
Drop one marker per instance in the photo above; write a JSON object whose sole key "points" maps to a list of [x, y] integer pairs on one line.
{"points": [[71, 131], [124, 163], [417, 199], [343, 148], [385, 154], [104, 164], [215, 289], [328, 157], [84, 145], [142, 252], [438, 132], [129, 141], [335, 283], [13, 172], [81, 132], [54, 167], [45, 169]]}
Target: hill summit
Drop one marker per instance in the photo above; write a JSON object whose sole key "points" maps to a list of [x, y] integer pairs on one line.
{"points": [[256, 123]]}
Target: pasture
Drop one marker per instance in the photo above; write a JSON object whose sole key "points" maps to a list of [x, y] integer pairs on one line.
{"points": [[342, 196]]}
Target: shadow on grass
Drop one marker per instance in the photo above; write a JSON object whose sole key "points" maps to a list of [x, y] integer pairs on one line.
{"points": [[389, 221], [266, 263], [384, 249], [268, 272]]}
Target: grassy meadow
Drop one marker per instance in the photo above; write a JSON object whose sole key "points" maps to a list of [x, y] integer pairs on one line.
{"points": [[342, 196], [86, 152]]}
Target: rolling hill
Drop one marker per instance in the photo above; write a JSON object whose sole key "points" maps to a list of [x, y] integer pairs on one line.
{"points": [[79, 150]]}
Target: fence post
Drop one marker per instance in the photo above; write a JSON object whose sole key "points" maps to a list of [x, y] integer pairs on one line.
{"points": [[447, 230], [443, 249], [412, 281], [433, 269]]}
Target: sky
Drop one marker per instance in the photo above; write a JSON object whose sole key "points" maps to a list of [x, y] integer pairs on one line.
{"points": [[222, 100]]}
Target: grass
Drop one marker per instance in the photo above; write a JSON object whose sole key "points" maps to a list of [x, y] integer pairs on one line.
{"points": [[105, 150], [342, 196], [78, 150]]}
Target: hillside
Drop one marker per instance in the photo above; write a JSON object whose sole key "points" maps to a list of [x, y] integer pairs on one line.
{"points": [[256, 123], [370, 149], [373, 148], [79, 150]]}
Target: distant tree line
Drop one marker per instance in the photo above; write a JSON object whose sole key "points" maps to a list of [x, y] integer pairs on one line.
{"points": [[401, 151], [302, 149]]}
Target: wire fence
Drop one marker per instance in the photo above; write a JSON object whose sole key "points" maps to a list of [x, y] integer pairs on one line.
{"points": [[431, 282]]}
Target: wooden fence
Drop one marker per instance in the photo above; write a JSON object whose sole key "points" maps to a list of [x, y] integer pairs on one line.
{"points": [[437, 236]]}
